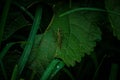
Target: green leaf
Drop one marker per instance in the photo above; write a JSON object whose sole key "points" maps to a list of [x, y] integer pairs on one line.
{"points": [[114, 19], [69, 38], [79, 33]]}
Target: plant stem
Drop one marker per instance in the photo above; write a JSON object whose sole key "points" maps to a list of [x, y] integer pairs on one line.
{"points": [[15, 71], [58, 67], [24, 9], [88, 9], [94, 58], [52, 69], [28, 47], [32, 75], [69, 74], [3, 70], [114, 71], [5, 50], [96, 72], [2, 54]]}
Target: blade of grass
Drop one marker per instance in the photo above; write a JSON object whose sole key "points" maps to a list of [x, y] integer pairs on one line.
{"points": [[97, 70], [32, 75], [94, 58], [114, 71], [57, 68], [24, 10], [7, 47], [88, 9], [47, 73], [3, 53], [27, 49], [3, 18], [5, 50], [14, 73], [69, 74], [3, 70]]}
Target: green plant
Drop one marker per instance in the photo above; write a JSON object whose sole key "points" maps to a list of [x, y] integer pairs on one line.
{"points": [[59, 41]]}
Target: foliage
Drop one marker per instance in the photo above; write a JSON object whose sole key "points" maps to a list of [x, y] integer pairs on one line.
{"points": [[114, 19], [61, 40]]}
